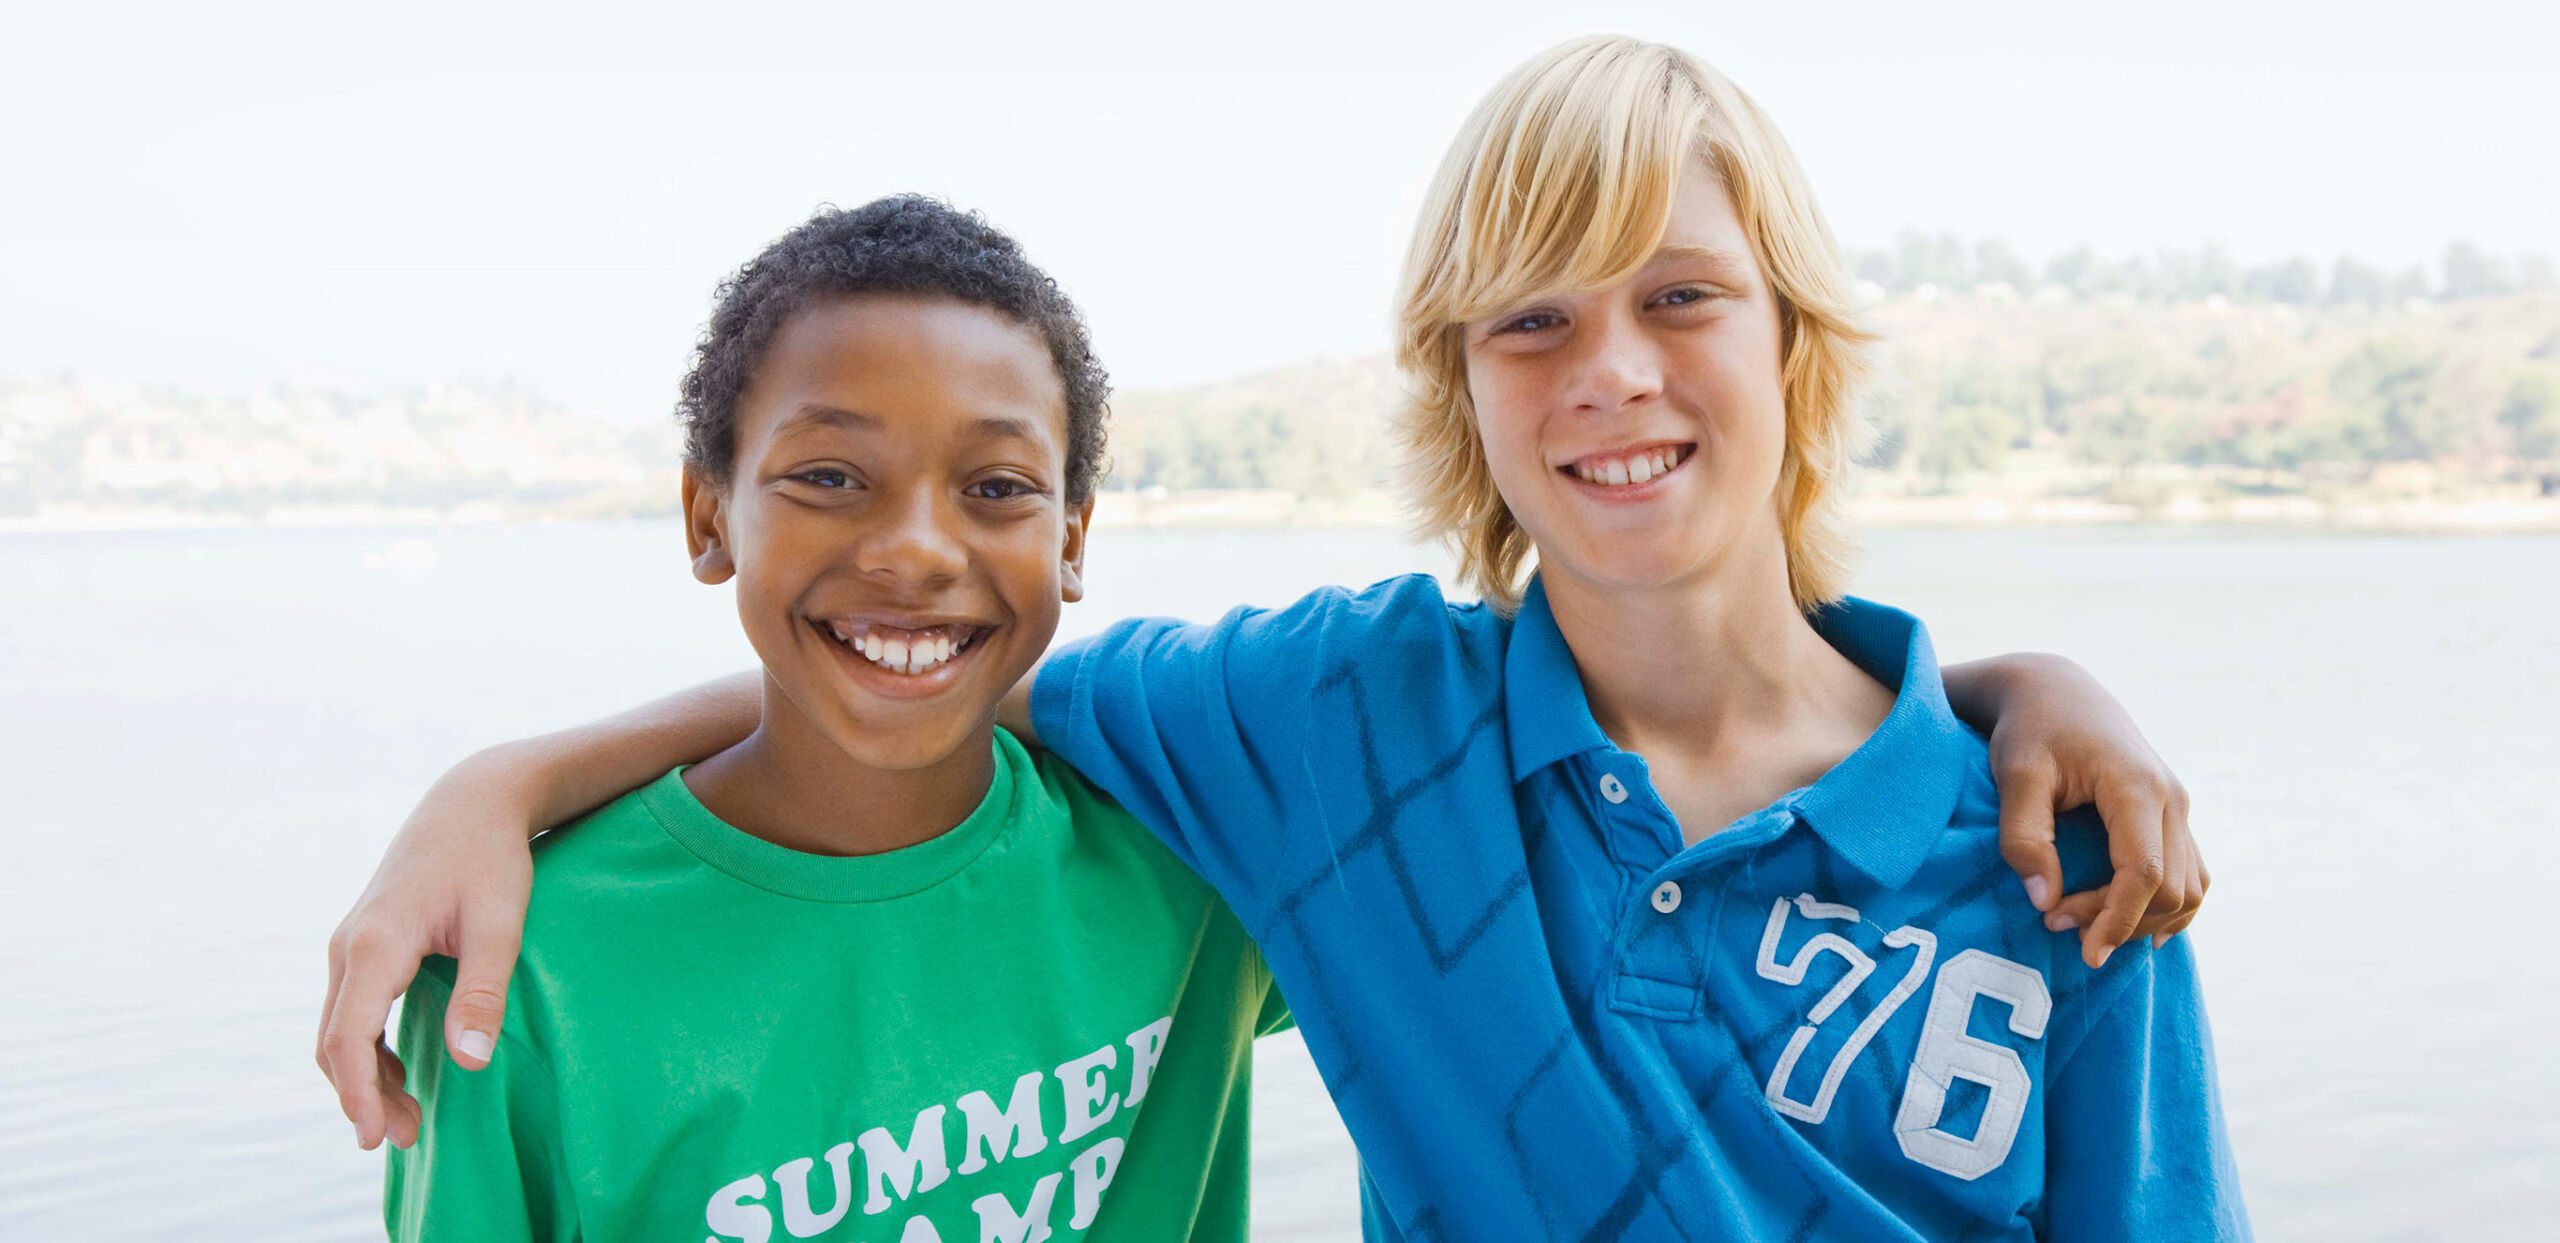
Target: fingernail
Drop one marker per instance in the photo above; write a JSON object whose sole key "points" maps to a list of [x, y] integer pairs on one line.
{"points": [[2060, 921], [2105, 954], [475, 1045], [2039, 894]]}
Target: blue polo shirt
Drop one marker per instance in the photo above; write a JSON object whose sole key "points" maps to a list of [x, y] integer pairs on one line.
{"points": [[1541, 1015]]}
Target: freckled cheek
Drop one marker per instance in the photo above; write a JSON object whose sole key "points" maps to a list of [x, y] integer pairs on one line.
{"points": [[1746, 409], [1761, 414], [1507, 422]]}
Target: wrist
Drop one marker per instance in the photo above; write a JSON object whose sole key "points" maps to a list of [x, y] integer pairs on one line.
{"points": [[1986, 690], [502, 785], [2025, 673]]}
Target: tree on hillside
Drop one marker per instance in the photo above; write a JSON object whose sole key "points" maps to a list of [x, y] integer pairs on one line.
{"points": [[2531, 415], [2119, 434], [1938, 260], [2354, 281], [2470, 272], [1994, 261], [2072, 269], [2392, 407], [2293, 282], [1968, 439], [2189, 274]]}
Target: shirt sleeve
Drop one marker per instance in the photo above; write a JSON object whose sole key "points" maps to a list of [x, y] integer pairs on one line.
{"points": [[1274, 1016], [487, 1164], [1200, 731], [2134, 1138]]}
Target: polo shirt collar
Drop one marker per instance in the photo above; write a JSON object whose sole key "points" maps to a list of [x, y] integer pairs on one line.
{"points": [[1543, 704], [1881, 809], [1884, 806]]}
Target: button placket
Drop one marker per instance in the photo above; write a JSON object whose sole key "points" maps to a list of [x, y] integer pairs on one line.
{"points": [[1656, 973]]}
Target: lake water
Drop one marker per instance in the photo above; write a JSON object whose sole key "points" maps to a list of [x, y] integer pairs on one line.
{"points": [[209, 735]]}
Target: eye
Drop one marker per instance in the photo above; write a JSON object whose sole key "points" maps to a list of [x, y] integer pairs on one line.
{"points": [[1534, 321], [825, 477], [1686, 295], [1000, 488]]}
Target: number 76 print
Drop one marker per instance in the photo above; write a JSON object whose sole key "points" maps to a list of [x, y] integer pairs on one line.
{"points": [[1945, 1053]]}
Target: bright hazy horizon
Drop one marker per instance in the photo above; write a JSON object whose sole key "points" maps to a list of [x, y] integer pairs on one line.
{"points": [[217, 200]]}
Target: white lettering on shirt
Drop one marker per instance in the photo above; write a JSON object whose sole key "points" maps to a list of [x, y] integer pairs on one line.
{"points": [[1094, 1168], [1146, 1046], [998, 1223], [913, 1170], [1090, 1100], [894, 1172], [792, 1179], [993, 1136], [733, 1211]]}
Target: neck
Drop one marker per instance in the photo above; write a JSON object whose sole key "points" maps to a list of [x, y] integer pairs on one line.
{"points": [[790, 784], [1708, 665]]}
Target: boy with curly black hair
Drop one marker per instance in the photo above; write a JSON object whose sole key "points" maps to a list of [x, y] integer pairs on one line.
{"points": [[876, 972]]}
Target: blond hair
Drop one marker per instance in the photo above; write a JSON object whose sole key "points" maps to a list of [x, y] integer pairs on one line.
{"points": [[1562, 179]]}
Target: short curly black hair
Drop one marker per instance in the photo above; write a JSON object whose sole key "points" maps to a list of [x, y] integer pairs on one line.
{"points": [[904, 244]]}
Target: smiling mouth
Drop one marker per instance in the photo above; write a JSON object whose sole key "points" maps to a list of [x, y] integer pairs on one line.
{"points": [[1629, 468], [908, 653]]}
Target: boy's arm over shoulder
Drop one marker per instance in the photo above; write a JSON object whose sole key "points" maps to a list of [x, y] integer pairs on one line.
{"points": [[1201, 730], [2135, 1146], [488, 1163]]}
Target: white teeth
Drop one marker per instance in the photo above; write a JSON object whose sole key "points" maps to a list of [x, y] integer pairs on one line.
{"points": [[1629, 471], [923, 652]]}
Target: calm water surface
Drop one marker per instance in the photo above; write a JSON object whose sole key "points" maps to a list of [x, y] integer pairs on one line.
{"points": [[209, 735]]}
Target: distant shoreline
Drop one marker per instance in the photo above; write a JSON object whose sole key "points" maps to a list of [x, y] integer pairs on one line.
{"points": [[1258, 510]]}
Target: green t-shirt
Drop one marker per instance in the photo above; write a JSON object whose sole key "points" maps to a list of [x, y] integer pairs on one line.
{"points": [[711, 1037]]}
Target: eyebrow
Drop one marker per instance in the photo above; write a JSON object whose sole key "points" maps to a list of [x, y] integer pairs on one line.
{"points": [[815, 412], [987, 427], [1000, 427], [1717, 257]]}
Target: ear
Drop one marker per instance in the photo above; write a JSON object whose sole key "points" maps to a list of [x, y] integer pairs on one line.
{"points": [[706, 528], [1071, 555]]}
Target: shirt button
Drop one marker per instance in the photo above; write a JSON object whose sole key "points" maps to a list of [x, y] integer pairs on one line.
{"points": [[1666, 897], [1613, 789]]}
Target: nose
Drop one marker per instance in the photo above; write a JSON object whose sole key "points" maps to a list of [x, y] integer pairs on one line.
{"points": [[1619, 366], [913, 542]]}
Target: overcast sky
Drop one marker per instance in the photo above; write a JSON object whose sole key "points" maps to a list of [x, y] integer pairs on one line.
{"points": [[218, 197]]}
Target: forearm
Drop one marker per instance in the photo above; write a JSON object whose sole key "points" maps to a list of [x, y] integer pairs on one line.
{"points": [[1980, 690], [573, 771]]}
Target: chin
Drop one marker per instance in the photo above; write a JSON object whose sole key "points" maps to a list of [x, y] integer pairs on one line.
{"points": [[893, 748], [1631, 562]]}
